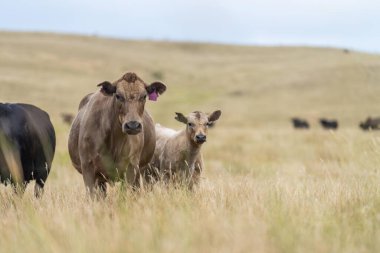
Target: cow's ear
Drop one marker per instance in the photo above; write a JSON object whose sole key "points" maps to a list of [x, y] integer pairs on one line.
{"points": [[157, 87], [180, 117], [214, 117], [107, 89]]}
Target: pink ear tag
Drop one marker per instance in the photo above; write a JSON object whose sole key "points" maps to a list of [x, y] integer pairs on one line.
{"points": [[153, 96]]}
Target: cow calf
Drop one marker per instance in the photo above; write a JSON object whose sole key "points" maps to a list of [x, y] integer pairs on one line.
{"points": [[177, 156]]}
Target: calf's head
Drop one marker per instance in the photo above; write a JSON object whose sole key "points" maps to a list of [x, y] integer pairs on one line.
{"points": [[129, 95], [198, 124]]}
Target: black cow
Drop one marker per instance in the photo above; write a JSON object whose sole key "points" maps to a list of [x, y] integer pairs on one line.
{"points": [[300, 123], [329, 124], [27, 146], [370, 124]]}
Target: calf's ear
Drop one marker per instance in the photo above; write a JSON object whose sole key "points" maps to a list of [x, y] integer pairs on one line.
{"points": [[180, 117], [214, 116], [107, 89]]}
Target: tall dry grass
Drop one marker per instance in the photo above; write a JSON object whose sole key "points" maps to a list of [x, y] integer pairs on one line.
{"points": [[266, 187]]}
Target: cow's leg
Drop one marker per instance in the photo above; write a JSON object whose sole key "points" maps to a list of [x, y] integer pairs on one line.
{"points": [[150, 174], [133, 176], [130, 178], [18, 188], [167, 174], [89, 180], [196, 174], [39, 188], [101, 188], [139, 181], [42, 169]]}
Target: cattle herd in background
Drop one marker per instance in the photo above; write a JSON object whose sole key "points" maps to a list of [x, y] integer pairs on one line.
{"points": [[332, 124]]}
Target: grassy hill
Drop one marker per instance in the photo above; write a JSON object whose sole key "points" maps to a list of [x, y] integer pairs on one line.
{"points": [[256, 86], [266, 187]]}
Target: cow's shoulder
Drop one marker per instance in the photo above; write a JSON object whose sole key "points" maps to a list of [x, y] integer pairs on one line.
{"points": [[85, 100]]}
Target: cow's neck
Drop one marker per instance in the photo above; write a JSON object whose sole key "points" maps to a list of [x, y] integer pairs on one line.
{"points": [[190, 150]]}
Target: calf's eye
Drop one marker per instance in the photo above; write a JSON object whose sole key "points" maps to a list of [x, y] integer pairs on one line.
{"points": [[190, 124]]}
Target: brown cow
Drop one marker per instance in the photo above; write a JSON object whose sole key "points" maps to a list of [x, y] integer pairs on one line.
{"points": [[178, 154], [112, 136]]}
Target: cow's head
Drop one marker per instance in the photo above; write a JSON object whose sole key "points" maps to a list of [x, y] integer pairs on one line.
{"points": [[197, 124], [129, 95]]}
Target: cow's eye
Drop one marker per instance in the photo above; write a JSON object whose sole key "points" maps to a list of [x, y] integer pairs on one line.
{"points": [[190, 124], [209, 124], [143, 98], [119, 97]]}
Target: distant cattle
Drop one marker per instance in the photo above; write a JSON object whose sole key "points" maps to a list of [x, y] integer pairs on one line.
{"points": [[370, 124], [67, 118], [27, 145], [300, 123], [328, 123], [113, 137]]}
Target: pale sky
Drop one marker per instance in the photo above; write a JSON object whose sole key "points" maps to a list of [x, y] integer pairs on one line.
{"points": [[350, 24]]}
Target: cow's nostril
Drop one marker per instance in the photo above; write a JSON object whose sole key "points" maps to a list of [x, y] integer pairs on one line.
{"points": [[200, 138], [132, 125]]}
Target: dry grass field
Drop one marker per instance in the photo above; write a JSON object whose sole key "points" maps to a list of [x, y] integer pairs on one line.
{"points": [[266, 187]]}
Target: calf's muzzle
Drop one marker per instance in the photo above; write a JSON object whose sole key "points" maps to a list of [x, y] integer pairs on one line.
{"points": [[200, 138]]}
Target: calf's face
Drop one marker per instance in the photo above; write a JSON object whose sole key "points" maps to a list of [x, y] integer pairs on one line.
{"points": [[198, 124], [129, 96]]}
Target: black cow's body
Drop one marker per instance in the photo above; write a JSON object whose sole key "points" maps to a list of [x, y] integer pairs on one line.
{"points": [[370, 124], [300, 123], [27, 145], [329, 124]]}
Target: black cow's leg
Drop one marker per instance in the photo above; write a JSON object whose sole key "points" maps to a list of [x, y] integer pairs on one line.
{"points": [[42, 169], [18, 188], [39, 188]]}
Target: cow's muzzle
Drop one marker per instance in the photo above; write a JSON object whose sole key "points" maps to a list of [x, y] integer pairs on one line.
{"points": [[200, 138], [132, 127]]}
